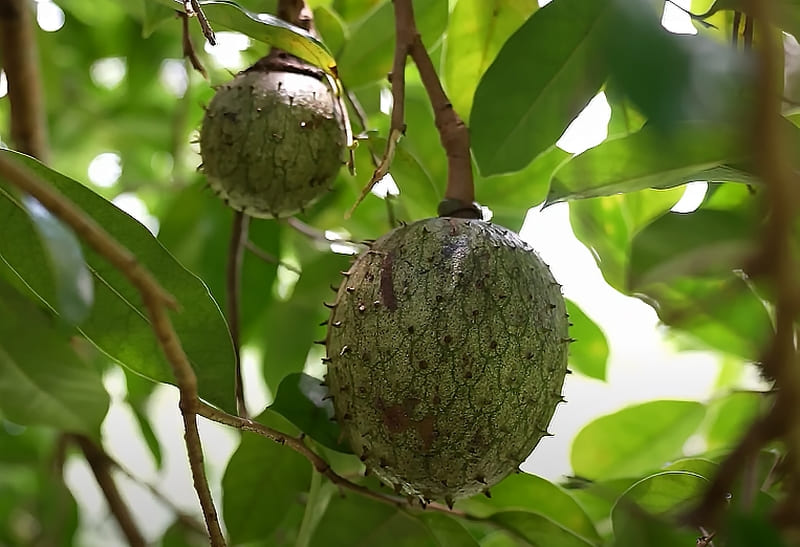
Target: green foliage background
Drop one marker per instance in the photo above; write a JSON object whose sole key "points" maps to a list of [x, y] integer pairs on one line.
{"points": [[519, 74]]}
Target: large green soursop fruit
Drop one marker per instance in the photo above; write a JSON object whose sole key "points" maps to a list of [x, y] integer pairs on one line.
{"points": [[447, 351], [273, 139]]}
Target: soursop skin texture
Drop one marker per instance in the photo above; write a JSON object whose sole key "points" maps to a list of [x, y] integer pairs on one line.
{"points": [[447, 351], [272, 142]]}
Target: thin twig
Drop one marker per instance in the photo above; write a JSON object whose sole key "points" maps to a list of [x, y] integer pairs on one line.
{"points": [[241, 223], [20, 60], [101, 467], [267, 257], [319, 464], [192, 8], [155, 299], [318, 235], [188, 47]]}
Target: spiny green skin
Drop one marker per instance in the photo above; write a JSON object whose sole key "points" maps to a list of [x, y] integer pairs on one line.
{"points": [[272, 142], [447, 351]]}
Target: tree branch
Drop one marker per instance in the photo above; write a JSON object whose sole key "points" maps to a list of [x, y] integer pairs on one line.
{"points": [[241, 222], [21, 64], [192, 8], [155, 299], [101, 467], [319, 464]]}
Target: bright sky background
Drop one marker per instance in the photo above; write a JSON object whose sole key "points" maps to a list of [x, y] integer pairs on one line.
{"points": [[643, 365]]}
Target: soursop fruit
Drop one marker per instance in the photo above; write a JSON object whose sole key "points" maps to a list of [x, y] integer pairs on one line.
{"points": [[273, 140], [446, 351]]}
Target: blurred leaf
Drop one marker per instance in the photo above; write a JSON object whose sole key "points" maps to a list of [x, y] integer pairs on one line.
{"points": [[702, 242], [546, 73], [74, 284], [538, 530], [652, 159], [351, 10], [625, 118], [301, 400], [589, 354], [635, 528], [118, 323], [154, 15], [196, 229], [331, 28], [747, 530], [139, 390], [699, 466], [367, 55], [786, 16], [265, 28], [447, 530], [291, 326], [607, 225], [42, 381], [721, 311], [262, 482], [730, 418], [673, 77], [524, 492], [476, 31], [634, 440]]}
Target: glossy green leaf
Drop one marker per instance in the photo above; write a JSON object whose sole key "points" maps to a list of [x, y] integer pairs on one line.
{"points": [[265, 28], [589, 354], [699, 466], [118, 323], [537, 530], [301, 399], [677, 245], [606, 226], [263, 481], [367, 55], [546, 73], [476, 31], [74, 284], [524, 492], [652, 159], [721, 311], [663, 492], [42, 381], [634, 440]]}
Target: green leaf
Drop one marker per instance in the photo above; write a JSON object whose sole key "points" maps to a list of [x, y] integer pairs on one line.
{"points": [[639, 515], [301, 399], [607, 225], [42, 381], [118, 323], [634, 440], [154, 15], [368, 55], [721, 311], [546, 73], [448, 531], [476, 32], [524, 492], [355, 521], [745, 530], [730, 418], [702, 242], [74, 284], [331, 27], [589, 355], [537, 530], [264, 28], [263, 481], [652, 159], [699, 466]]}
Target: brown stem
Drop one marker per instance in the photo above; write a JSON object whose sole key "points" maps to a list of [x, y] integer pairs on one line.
{"points": [[239, 231], [155, 299], [20, 61], [101, 466], [319, 464], [188, 47], [297, 13], [192, 8]]}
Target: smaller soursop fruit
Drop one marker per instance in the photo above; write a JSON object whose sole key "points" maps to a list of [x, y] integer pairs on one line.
{"points": [[273, 138], [447, 351]]}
